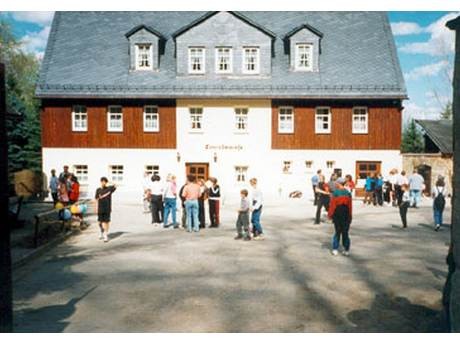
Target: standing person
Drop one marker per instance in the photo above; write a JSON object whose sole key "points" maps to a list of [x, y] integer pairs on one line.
{"points": [[369, 188], [401, 180], [404, 204], [201, 204], [379, 190], [184, 212], [439, 202], [191, 193], [416, 186], [332, 182], [53, 185], [104, 207], [156, 200], [349, 184], [257, 205], [214, 203], [392, 181], [170, 201], [340, 211], [322, 189], [242, 223], [65, 172], [146, 188], [63, 191], [74, 194], [314, 183]]}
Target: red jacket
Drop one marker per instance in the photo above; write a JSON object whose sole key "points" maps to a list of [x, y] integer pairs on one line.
{"points": [[74, 192], [340, 197]]}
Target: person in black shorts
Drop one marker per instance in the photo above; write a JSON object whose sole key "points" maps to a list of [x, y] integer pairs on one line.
{"points": [[104, 207]]}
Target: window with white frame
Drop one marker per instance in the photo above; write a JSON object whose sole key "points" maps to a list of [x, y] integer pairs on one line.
{"points": [[303, 57], [79, 118], [196, 119], [330, 164], [287, 166], [241, 173], [241, 120], [251, 60], [144, 56], [196, 60], [286, 120], [81, 172], [224, 60], [115, 118], [116, 173], [151, 119], [152, 169], [360, 120], [309, 165], [323, 120]]}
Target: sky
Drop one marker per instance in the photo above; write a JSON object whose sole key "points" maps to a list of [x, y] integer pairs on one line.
{"points": [[425, 50]]}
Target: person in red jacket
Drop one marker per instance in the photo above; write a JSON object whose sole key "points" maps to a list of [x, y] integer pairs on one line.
{"points": [[74, 192], [340, 211]]}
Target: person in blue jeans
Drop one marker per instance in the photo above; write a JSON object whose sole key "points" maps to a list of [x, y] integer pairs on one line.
{"points": [[257, 204], [416, 186], [439, 202], [340, 211], [170, 201], [191, 193]]}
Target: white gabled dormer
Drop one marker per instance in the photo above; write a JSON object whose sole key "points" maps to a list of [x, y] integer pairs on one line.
{"points": [[145, 47], [303, 44]]}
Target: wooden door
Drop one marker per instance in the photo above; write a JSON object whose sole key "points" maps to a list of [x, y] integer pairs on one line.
{"points": [[363, 169], [199, 170]]}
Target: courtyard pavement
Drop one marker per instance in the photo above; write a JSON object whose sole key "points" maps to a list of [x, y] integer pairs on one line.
{"points": [[153, 280]]}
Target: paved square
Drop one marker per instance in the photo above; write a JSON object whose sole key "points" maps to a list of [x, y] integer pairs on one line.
{"points": [[153, 280]]}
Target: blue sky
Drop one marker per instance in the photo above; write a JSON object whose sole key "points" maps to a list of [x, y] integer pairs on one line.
{"points": [[425, 49]]}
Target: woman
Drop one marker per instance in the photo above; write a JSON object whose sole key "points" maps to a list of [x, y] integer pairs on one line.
{"points": [[191, 193], [170, 197], [63, 192], [156, 200], [74, 189], [201, 200], [323, 192], [439, 202], [349, 184], [214, 202]]}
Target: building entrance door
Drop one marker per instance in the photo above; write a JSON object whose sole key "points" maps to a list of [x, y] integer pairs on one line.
{"points": [[363, 169], [199, 170]]}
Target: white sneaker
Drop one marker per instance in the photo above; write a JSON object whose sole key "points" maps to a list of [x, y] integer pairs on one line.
{"points": [[335, 252], [106, 238], [101, 235], [346, 253]]}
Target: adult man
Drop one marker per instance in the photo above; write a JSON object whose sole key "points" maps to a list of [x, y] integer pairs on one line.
{"points": [[314, 183], [104, 207], [257, 204], [416, 186], [54, 183], [401, 180]]}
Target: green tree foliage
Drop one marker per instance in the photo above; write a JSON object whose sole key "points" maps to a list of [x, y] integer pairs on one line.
{"points": [[446, 113], [24, 143], [412, 139]]}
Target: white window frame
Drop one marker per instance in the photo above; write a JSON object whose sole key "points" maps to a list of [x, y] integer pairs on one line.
{"points": [[309, 162], [109, 122], [330, 165], [83, 127], [239, 116], [241, 174], [321, 130], [354, 120], [291, 115], [153, 169], [115, 177], [81, 172], [287, 167], [191, 121], [150, 57], [153, 114], [203, 60], [297, 57], [230, 60], [257, 61]]}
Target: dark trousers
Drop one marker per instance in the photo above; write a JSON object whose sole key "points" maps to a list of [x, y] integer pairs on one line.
{"points": [[398, 194], [403, 212], [55, 197], [242, 223], [157, 208], [341, 231], [379, 195], [322, 201], [201, 213], [315, 196], [214, 208]]}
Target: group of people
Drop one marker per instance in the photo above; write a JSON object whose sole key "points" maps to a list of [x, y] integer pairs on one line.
{"points": [[64, 188]]}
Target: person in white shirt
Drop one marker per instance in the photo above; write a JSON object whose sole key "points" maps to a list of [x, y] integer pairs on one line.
{"points": [[170, 201], [257, 204], [156, 201], [439, 202], [392, 186], [401, 180], [145, 187], [416, 186]]}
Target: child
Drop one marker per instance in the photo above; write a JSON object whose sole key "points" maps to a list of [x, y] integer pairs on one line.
{"points": [[341, 215], [214, 202], [404, 204], [104, 207], [257, 205], [242, 223]]}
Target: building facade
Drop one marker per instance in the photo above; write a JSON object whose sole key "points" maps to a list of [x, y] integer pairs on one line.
{"points": [[273, 95]]}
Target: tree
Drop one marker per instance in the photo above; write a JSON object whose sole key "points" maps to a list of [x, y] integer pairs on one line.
{"points": [[446, 113], [412, 139], [23, 132]]}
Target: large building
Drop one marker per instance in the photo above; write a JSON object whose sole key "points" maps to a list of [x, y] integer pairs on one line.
{"points": [[275, 95]]}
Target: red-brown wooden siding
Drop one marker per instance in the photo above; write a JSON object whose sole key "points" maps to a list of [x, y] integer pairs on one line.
{"points": [[384, 127], [56, 119]]}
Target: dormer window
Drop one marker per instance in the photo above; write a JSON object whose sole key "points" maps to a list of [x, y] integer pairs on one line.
{"points": [[196, 60], [144, 56], [304, 57], [251, 60], [224, 60]]}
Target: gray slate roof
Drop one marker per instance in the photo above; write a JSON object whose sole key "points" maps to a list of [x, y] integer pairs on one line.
{"points": [[440, 132], [87, 56]]}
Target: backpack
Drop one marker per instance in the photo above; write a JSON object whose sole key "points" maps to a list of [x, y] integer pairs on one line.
{"points": [[439, 201]]}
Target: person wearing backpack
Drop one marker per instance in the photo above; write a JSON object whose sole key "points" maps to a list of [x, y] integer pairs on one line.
{"points": [[439, 202]]}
